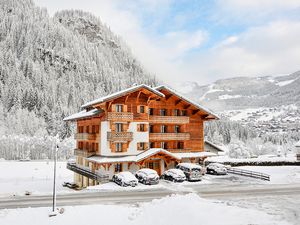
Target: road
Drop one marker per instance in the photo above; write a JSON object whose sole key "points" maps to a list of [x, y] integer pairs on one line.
{"points": [[132, 197]]}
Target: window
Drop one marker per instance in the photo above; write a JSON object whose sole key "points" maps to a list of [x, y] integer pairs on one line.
{"points": [[151, 111], [119, 127], [183, 113], [180, 145], [163, 129], [151, 128], [176, 112], [142, 109], [93, 129], [119, 147], [152, 144], [119, 108], [87, 129], [163, 112], [118, 167], [177, 129], [163, 145], [142, 127], [142, 146]]}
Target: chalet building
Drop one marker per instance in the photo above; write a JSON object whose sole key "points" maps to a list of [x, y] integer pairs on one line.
{"points": [[136, 128]]}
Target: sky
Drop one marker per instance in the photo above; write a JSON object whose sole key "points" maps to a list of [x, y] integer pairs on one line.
{"points": [[204, 40]]}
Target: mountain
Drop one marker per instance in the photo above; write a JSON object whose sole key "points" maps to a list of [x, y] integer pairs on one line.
{"points": [[247, 92], [269, 106], [49, 66]]}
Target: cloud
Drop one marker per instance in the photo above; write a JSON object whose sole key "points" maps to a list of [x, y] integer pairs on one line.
{"points": [[263, 50], [266, 41]]}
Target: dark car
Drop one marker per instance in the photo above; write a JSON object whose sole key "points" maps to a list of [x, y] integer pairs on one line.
{"points": [[125, 179], [193, 172], [216, 169], [147, 176], [174, 175]]}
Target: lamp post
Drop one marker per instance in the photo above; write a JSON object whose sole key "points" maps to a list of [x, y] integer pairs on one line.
{"points": [[53, 213]]}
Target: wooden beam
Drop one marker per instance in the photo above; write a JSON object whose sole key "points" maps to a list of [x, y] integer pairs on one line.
{"points": [[126, 98], [195, 111], [109, 105], [168, 97], [178, 101], [138, 96], [148, 100], [188, 106]]}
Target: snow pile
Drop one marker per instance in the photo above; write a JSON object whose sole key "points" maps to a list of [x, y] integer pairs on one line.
{"points": [[226, 159], [178, 209]]}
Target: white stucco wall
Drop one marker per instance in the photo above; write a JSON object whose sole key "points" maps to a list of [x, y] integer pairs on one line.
{"points": [[132, 148], [105, 150], [137, 137]]}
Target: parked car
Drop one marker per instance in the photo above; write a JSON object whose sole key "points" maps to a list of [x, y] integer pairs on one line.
{"points": [[216, 169], [125, 179], [174, 175], [193, 172], [147, 176]]}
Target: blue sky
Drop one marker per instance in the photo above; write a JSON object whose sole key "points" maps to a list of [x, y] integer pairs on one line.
{"points": [[202, 41]]}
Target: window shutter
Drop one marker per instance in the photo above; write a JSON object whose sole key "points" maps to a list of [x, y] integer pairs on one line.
{"points": [[138, 109], [124, 147], [146, 127], [113, 127], [138, 127], [146, 145], [146, 109], [112, 147], [113, 107], [124, 108]]}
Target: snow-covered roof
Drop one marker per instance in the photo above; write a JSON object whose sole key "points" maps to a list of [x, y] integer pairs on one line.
{"points": [[146, 154], [83, 114], [122, 93], [183, 155], [111, 159], [217, 147], [153, 151], [297, 144], [197, 105], [190, 165]]}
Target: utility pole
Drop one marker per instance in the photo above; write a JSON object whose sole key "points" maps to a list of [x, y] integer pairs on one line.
{"points": [[53, 213]]}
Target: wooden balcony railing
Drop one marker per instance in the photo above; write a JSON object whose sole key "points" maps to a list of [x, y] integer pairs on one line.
{"points": [[169, 136], [84, 152], [119, 136], [120, 116], [169, 119], [85, 136]]}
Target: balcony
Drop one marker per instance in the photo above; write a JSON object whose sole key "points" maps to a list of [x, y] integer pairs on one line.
{"points": [[87, 172], [169, 119], [85, 136], [169, 136], [84, 152], [120, 116], [119, 136]]}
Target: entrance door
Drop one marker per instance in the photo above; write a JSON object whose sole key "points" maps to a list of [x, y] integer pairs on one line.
{"points": [[154, 164]]}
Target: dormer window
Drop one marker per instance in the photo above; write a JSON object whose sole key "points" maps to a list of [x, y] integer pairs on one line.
{"points": [[119, 108], [151, 111], [142, 109], [163, 112], [176, 112]]}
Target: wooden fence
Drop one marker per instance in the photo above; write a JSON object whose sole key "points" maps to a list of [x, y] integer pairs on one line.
{"points": [[249, 173]]}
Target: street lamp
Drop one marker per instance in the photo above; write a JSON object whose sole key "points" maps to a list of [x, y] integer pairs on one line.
{"points": [[54, 213]]}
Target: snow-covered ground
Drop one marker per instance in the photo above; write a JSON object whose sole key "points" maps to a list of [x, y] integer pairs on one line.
{"points": [[37, 177], [178, 209], [34, 176]]}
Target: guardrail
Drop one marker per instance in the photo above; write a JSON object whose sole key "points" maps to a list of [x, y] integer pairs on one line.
{"points": [[85, 171], [249, 173]]}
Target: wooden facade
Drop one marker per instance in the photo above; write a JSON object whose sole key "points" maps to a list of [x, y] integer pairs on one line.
{"points": [[167, 120]]}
